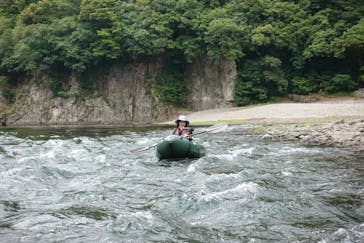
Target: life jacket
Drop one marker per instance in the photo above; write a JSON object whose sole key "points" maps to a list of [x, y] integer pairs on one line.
{"points": [[180, 131]]}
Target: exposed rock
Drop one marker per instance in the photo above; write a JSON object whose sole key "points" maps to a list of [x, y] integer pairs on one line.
{"points": [[73, 84], [124, 97], [3, 106], [211, 85], [304, 98], [340, 133], [265, 136], [359, 93], [3, 119]]}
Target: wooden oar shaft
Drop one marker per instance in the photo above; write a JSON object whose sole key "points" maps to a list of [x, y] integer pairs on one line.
{"points": [[143, 149], [210, 130]]}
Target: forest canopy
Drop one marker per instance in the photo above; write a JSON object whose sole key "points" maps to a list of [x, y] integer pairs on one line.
{"points": [[281, 47]]}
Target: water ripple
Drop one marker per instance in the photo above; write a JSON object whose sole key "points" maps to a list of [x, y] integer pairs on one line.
{"points": [[86, 186]]}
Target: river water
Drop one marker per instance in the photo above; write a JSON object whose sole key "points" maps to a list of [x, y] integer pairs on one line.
{"points": [[86, 186]]}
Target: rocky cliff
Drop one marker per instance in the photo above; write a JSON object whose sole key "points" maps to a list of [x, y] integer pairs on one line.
{"points": [[121, 98], [124, 96], [211, 84]]}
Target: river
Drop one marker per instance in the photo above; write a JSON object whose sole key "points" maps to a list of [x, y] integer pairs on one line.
{"points": [[84, 185]]}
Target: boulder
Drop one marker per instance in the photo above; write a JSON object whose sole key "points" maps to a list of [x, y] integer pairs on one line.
{"points": [[359, 93], [304, 98], [340, 133]]}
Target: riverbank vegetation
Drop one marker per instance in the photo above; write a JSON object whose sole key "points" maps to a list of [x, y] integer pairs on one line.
{"points": [[280, 47]]}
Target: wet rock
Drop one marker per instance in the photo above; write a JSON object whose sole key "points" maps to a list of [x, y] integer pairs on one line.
{"points": [[304, 137], [359, 93], [340, 133], [266, 136], [339, 122]]}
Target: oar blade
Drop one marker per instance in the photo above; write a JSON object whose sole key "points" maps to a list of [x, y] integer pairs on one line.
{"points": [[213, 129], [137, 150], [217, 128]]}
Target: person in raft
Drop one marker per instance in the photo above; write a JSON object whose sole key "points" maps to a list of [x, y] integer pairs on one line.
{"points": [[183, 128]]}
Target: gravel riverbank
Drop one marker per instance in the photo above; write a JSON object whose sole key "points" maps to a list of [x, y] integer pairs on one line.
{"points": [[284, 112], [332, 122]]}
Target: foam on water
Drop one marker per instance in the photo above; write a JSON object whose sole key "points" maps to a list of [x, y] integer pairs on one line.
{"points": [[295, 150], [89, 187], [143, 141], [235, 153], [223, 177], [240, 190], [36, 223], [192, 168], [49, 154], [101, 158], [354, 234], [286, 173]]}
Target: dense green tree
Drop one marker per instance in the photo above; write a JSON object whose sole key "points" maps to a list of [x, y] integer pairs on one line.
{"points": [[350, 46], [263, 78], [33, 39], [147, 31], [223, 39], [298, 46], [101, 17], [11, 8]]}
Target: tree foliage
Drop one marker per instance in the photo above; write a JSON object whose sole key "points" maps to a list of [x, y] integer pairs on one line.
{"points": [[170, 88], [299, 46]]}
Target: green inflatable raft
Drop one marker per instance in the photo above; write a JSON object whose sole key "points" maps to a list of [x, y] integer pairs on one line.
{"points": [[176, 147]]}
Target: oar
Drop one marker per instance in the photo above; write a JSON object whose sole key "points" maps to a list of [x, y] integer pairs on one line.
{"points": [[214, 128], [137, 150]]}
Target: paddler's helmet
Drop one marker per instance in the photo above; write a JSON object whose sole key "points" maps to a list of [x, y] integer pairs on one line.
{"points": [[183, 118]]}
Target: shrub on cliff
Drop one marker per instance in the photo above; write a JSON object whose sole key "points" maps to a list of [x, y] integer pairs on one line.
{"points": [[5, 90], [170, 88]]}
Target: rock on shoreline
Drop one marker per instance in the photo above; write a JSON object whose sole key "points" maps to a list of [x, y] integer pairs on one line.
{"points": [[342, 133]]}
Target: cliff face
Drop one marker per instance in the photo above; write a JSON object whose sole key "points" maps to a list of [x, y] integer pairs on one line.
{"points": [[211, 84], [123, 97]]}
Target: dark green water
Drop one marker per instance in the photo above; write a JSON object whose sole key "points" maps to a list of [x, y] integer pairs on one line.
{"points": [[86, 186]]}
